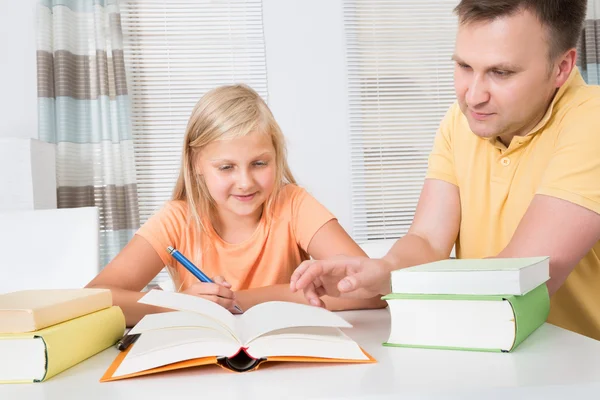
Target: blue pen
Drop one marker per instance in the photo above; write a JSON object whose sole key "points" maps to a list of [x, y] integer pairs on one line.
{"points": [[192, 268]]}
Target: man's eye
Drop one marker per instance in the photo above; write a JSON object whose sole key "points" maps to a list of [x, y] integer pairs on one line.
{"points": [[502, 73], [463, 66]]}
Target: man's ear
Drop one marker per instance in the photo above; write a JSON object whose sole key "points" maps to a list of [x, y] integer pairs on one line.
{"points": [[565, 65]]}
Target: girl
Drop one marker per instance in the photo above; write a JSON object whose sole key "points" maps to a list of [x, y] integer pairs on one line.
{"points": [[236, 213]]}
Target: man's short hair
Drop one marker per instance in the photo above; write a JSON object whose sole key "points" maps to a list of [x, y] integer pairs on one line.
{"points": [[563, 18]]}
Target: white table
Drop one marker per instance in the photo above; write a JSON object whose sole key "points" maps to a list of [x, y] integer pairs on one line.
{"points": [[551, 364]]}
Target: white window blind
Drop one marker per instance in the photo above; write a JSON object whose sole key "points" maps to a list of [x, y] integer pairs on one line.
{"points": [[400, 86], [175, 51]]}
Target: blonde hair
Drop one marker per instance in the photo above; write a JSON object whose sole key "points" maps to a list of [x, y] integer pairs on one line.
{"points": [[225, 113]]}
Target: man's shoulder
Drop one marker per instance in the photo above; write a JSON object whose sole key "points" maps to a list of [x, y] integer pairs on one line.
{"points": [[453, 115], [576, 120], [457, 127], [581, 105]]}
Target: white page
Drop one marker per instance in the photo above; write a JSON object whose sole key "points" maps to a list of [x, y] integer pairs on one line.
{"points": [[179, 319], [185, 302], [22, 359], [321, 342], [153, 341], [273, 315], [150, 350], [453, 323]]}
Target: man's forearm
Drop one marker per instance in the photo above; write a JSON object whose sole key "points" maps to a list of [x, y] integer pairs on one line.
{"points": [[411, 250], [251, 297]]}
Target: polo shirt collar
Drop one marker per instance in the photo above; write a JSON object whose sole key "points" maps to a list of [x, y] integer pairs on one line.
{"points": [[574, 79]]}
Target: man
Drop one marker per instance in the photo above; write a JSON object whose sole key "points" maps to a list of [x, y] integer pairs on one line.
{"points": [[515, 167]]}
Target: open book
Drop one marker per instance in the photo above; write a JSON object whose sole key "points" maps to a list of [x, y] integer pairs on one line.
{"points": [[202, 333]]}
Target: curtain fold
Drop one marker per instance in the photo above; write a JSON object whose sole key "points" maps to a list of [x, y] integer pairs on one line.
{"points": [[84, 108], [588, 60]]}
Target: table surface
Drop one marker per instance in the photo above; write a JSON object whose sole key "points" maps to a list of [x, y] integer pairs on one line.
{"points": [[552, 363]]}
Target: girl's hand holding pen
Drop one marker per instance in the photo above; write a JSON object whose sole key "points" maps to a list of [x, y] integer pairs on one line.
{"points": [[207, 287], [218, 292]]}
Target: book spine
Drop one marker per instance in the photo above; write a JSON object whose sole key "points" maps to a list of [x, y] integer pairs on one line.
{"points": [[75, 340], [531, 311], [240, 362]]}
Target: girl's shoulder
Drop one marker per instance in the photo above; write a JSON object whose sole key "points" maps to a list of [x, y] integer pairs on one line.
{"points": [[167, 225], [176, 206], [290, 197], [289, 193], [173, 210]]}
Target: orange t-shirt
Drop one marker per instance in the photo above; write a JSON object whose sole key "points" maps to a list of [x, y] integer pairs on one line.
{"points": [[266, 258]]}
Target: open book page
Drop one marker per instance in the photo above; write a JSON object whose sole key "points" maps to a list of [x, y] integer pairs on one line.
{"points": [[274, 315], [166, 346], [184, 302], [181, 319], [153, 341], [321, 342]]}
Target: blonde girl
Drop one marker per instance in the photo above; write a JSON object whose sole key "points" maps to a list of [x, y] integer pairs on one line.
{"points": [[236, 213]]}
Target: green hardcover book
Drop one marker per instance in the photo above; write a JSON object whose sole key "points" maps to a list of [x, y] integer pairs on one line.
{"points": [[492, 323], [473, 276]]}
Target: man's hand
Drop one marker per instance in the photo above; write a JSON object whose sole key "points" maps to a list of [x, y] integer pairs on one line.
{"points": [[354, 277]]}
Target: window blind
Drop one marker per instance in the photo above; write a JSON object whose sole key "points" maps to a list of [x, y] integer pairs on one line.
{"points": [[175, 51], [400, 85]]}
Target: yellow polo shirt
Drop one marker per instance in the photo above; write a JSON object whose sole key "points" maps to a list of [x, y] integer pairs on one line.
{"points": [[560, 157]]}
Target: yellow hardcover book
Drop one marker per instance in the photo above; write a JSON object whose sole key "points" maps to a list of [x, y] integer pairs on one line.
{"points": [[38, 356], [32, 310]]}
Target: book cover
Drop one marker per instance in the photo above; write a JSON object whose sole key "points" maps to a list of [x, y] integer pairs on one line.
{"points": [[490, 276], [31, 310]]}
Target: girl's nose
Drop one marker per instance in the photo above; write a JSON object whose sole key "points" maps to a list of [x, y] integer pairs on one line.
{"points": [[244, 180]]}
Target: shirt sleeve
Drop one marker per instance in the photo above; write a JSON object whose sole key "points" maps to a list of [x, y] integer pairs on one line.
{"points": [[308, 216], [164, 229], [573, 173], [441, 158]]}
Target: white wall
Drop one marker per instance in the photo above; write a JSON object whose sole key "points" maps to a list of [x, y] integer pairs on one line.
{"points": [[306, 71], [18, 81]]}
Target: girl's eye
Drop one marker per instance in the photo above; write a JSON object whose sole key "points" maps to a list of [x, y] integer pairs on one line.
{"points": [[224, 167], [260, 163]]}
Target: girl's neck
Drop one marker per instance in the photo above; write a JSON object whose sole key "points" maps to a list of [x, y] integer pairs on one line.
{"points": [[235, 229]]}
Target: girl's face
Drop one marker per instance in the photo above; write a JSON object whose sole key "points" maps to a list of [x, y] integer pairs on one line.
{"points": [[239, 173]]}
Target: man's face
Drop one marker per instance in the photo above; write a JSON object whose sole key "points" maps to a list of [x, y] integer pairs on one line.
{"points": [[502, 75]]}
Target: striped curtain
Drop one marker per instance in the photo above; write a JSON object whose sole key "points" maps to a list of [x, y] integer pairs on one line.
{"points": [[83, 108], [589, 45]]}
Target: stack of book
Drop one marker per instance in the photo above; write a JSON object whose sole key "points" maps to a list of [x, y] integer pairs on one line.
{"points": [[468, 304], [44, 332]]}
